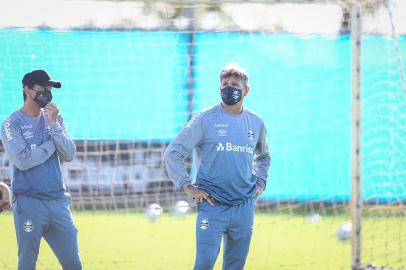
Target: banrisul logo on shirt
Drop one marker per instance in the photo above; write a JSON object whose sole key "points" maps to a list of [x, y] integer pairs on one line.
{"points": [[220, 147], [229, 147]]}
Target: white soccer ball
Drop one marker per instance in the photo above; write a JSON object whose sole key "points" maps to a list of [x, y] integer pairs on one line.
{"points": [[181, 208], [153, 212], [372, 267], [344, 231], [314, 218]]}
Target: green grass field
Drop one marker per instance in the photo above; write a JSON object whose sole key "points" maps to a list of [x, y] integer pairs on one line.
{"points": [[117, 241]]}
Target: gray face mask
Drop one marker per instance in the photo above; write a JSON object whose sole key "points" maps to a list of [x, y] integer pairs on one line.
{"points": [[231, 95], [42, 98]]}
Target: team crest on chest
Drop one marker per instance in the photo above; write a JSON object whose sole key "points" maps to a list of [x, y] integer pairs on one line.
{"points": [[251, 135]]}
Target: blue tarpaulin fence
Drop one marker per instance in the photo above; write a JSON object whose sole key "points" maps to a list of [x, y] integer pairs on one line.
{"points": [[135, 86]]}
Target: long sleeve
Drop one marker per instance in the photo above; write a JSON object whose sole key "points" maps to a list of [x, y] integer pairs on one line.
{"points": [[262, 158], [64, 145], [181, 148], [22, 155]]}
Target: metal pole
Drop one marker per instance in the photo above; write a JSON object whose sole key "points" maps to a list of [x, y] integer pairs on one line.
{"points": [[356, 200], [389, 4], [190, 14]]}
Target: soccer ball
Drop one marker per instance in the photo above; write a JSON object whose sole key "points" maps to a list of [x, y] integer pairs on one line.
{"points": [[344, 231], [314, 218], [2, 207], [181, 208], [371, 267], [153, 212]]}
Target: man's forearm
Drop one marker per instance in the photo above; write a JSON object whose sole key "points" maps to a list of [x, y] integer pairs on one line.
{"points": [[27, 158], [261, 167], [175, 168], [65, 146], [22, 155]]}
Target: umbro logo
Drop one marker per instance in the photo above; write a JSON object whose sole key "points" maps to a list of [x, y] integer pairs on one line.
{"points": [[222, 132], [28, 134]]}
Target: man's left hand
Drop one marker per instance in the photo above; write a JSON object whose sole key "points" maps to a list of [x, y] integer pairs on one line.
{"points": [[52, 111], [258, 191]]}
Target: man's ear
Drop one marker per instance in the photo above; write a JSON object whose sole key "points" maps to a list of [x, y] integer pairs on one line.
{"points": [[26, 90], [246, 90]]}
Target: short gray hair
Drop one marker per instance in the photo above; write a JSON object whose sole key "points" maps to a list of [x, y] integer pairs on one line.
{"points": [[234, 70]]}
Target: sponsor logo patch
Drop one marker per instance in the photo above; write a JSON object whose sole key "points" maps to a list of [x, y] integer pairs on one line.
{"points": [[229, 147], [7, 130], [221, 125], [194, 118], [26, 126]]}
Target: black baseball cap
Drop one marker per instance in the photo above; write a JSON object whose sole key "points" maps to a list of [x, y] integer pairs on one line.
{"points": [[40, 77]]}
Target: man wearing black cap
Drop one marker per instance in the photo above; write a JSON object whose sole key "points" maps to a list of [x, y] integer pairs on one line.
{"points": [[35, 138]]}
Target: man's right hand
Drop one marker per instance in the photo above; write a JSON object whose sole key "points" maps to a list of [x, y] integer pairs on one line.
{"points": [[52, 111], [198, 194]]}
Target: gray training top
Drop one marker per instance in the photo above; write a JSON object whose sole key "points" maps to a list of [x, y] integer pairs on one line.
{"points": [[232, 154], [35, 147]]}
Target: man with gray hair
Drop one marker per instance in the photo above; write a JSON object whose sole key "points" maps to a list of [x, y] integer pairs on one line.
{"points": [[233, 161]]}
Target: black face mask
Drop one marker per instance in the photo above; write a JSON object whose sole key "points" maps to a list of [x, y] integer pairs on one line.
{"points": [[231, 95], [42, 98]]}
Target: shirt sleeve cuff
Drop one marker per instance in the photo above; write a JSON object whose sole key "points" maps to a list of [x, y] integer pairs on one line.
{"points": [[183, 183], [261, 182], [55, 127]]}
